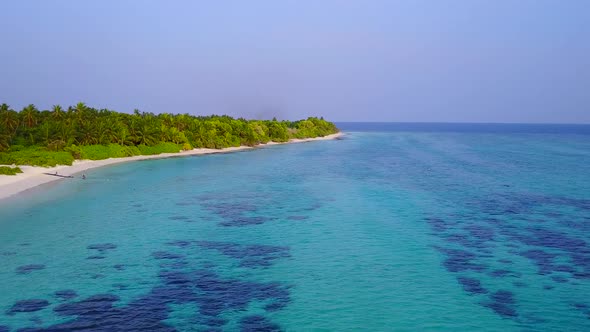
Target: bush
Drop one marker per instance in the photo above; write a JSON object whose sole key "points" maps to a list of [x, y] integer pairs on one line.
{"points": [[6, 170], [312, 127], [99, 152], [35, 156], [75, 151], [164, 147], [14, 148], [278, 132]]}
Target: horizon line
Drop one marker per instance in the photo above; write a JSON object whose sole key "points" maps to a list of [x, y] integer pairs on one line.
{"points": [[477, 123]]}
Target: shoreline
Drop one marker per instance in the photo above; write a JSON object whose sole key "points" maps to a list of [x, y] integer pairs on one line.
{"points": [[33, 176]]}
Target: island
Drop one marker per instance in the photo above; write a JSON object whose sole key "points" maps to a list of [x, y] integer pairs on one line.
{"points": [[35, 144]]}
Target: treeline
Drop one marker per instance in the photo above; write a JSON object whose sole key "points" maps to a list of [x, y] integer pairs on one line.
{"points": [[82, 132]]}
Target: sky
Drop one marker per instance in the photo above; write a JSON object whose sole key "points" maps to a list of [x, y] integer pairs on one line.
{"points": [[363, 60]]}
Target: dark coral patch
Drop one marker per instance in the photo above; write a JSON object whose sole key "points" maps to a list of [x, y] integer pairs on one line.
{"points": [[482, 233], [166, 255], [313, 207], [502, 303], [97, 313], [66, 294], [219, 295], [26, 269], [564, 268], [542, 259], [239, 211], [581, 259], [466, 240], [552, 239], [120, 286], [501, 309], [581, 275], [213, 296], [28, 306], [212, 321], [250, 255], [438, 225], [471, 285], [461, 260], [179, 218], [95, 257], [297, 217], [230, 209], [246, 221], [258, 324], [503, 296], [94, 305], [180, 243], [559, 279], [102, 246], [174, 264], [503, 273], [277, 304]]}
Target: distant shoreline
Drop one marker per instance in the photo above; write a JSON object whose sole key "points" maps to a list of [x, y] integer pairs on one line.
{"points": [[33, 176]]}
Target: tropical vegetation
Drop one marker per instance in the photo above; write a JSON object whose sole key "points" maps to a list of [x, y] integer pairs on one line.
{"points": [[6, 170], [59, 136]]}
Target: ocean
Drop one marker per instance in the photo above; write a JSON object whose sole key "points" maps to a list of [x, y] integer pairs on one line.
{"points": [[394, 227]]}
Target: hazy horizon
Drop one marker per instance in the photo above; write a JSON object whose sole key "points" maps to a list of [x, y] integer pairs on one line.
{"points": [[349, 61]]}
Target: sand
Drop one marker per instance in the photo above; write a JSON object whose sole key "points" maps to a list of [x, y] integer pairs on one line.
{"points": [[33, 176]]}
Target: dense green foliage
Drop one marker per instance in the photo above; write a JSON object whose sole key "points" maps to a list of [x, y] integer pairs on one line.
{"points": [[36, 156], [47, 138], [5, 170], [98, 152]]}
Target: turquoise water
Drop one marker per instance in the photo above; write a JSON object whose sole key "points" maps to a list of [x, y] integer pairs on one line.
{"points": [[387, 229]]}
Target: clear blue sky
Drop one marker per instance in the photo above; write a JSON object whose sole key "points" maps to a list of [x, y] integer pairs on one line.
{"points": [[364, 60]]}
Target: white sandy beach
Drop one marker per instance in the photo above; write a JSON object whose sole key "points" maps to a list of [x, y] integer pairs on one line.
{"points": [[33, 176]]}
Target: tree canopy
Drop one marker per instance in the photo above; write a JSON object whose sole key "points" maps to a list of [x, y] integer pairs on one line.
{"points": [[75, 129]]}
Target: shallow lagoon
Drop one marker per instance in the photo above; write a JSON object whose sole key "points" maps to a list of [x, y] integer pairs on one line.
{"points": [[387, 229]]}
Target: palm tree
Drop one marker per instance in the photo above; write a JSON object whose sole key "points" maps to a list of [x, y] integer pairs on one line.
{"points": [[121, 135], [57, 112], [167, 119], [144, 130], [80, 107], [8, 119], [87, 134], [44, 131], [4, 142], [29, 115], [146, 135], [4, 108], [66, 132], [79, 111]]}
